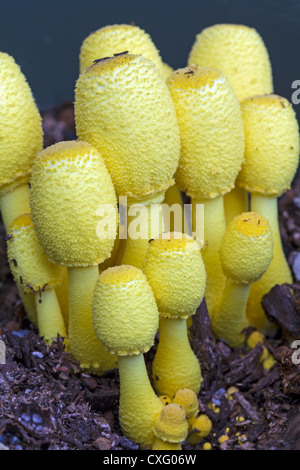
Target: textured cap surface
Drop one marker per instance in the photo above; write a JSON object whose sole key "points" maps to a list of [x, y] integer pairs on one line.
{"points": [[247, 248], [69, 187], [125, 314], [172, 424], [176, 273], [124, 108], [21, 135], [211, 128], [239, 52], [271, 145], [28, 262], [117, 38], [188, 399]]}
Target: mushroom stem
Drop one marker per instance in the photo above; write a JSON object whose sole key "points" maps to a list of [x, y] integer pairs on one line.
{"points": [[277, 273], [137, 399], [147, 227], [84, 344], [228, 320], [235, 203], [214, 229], [14, 203], [50, 320], [175, 365]]}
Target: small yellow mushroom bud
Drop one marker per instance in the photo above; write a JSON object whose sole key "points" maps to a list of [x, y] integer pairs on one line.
{"points": [[199, 427], [176, 273], [246, 252], [188, 400], [125, 318], [171, 426]]}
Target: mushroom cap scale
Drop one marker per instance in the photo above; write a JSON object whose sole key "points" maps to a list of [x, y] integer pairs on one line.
{"points": [[69, 184], [124, 108], [271, 145], [115, 39], [247, 248], [211, 129], [28, 261], [125, 314], [21, 135], [239, 52], [176, 274]]}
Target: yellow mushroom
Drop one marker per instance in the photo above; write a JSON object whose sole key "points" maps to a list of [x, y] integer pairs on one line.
{"points": [[271, 160], [69, 186], [124, 108], [188, 399], [171, 428], [21, 137], [239, 51], [176, 273], [199, 427], [125, 319], [246, 252], [30, 267], [212, 152]]}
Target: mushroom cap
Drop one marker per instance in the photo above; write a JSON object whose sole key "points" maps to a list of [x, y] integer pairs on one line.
{"points": [[211, 129], [247, 248], [188, 399], [239, 52], [70, 185], [28, 261], [125, 315], [21, 134], [200, 426], [271, 145], [176, 274], [124, 108], [117, 38], [172, 424]]}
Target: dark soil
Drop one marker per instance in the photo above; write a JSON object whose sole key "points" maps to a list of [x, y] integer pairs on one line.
{"points": [[48, 403]]}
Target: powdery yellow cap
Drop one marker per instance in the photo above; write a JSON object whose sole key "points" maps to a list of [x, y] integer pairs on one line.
{"points": [[247, 248], [124, 108], [211, 129], [117, 38], [239, 52], [271, 145], [70, 186], [21, 135], [176, 273], [125, 314], [28, 262], [187, 398], [172, 424], [200, 427]]}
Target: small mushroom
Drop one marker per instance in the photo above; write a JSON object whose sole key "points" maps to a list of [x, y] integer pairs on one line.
{"points": [[212, 152], [29, 262], [125, 319], [271, 160], [171, 428], [69, 184], [176, 273], [246, 252]]}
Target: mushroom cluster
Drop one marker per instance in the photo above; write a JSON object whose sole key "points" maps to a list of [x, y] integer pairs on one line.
{"points": [[89, 243]]}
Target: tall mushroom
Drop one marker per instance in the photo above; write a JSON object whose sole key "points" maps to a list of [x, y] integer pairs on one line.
{"points": [[240, 53], [271, 160], [72, 199], [212, 152], [174, 268], [125, 319], [124, 108]]}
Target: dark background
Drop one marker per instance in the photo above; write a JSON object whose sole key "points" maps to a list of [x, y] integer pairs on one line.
{"points": [[44, 36]]}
